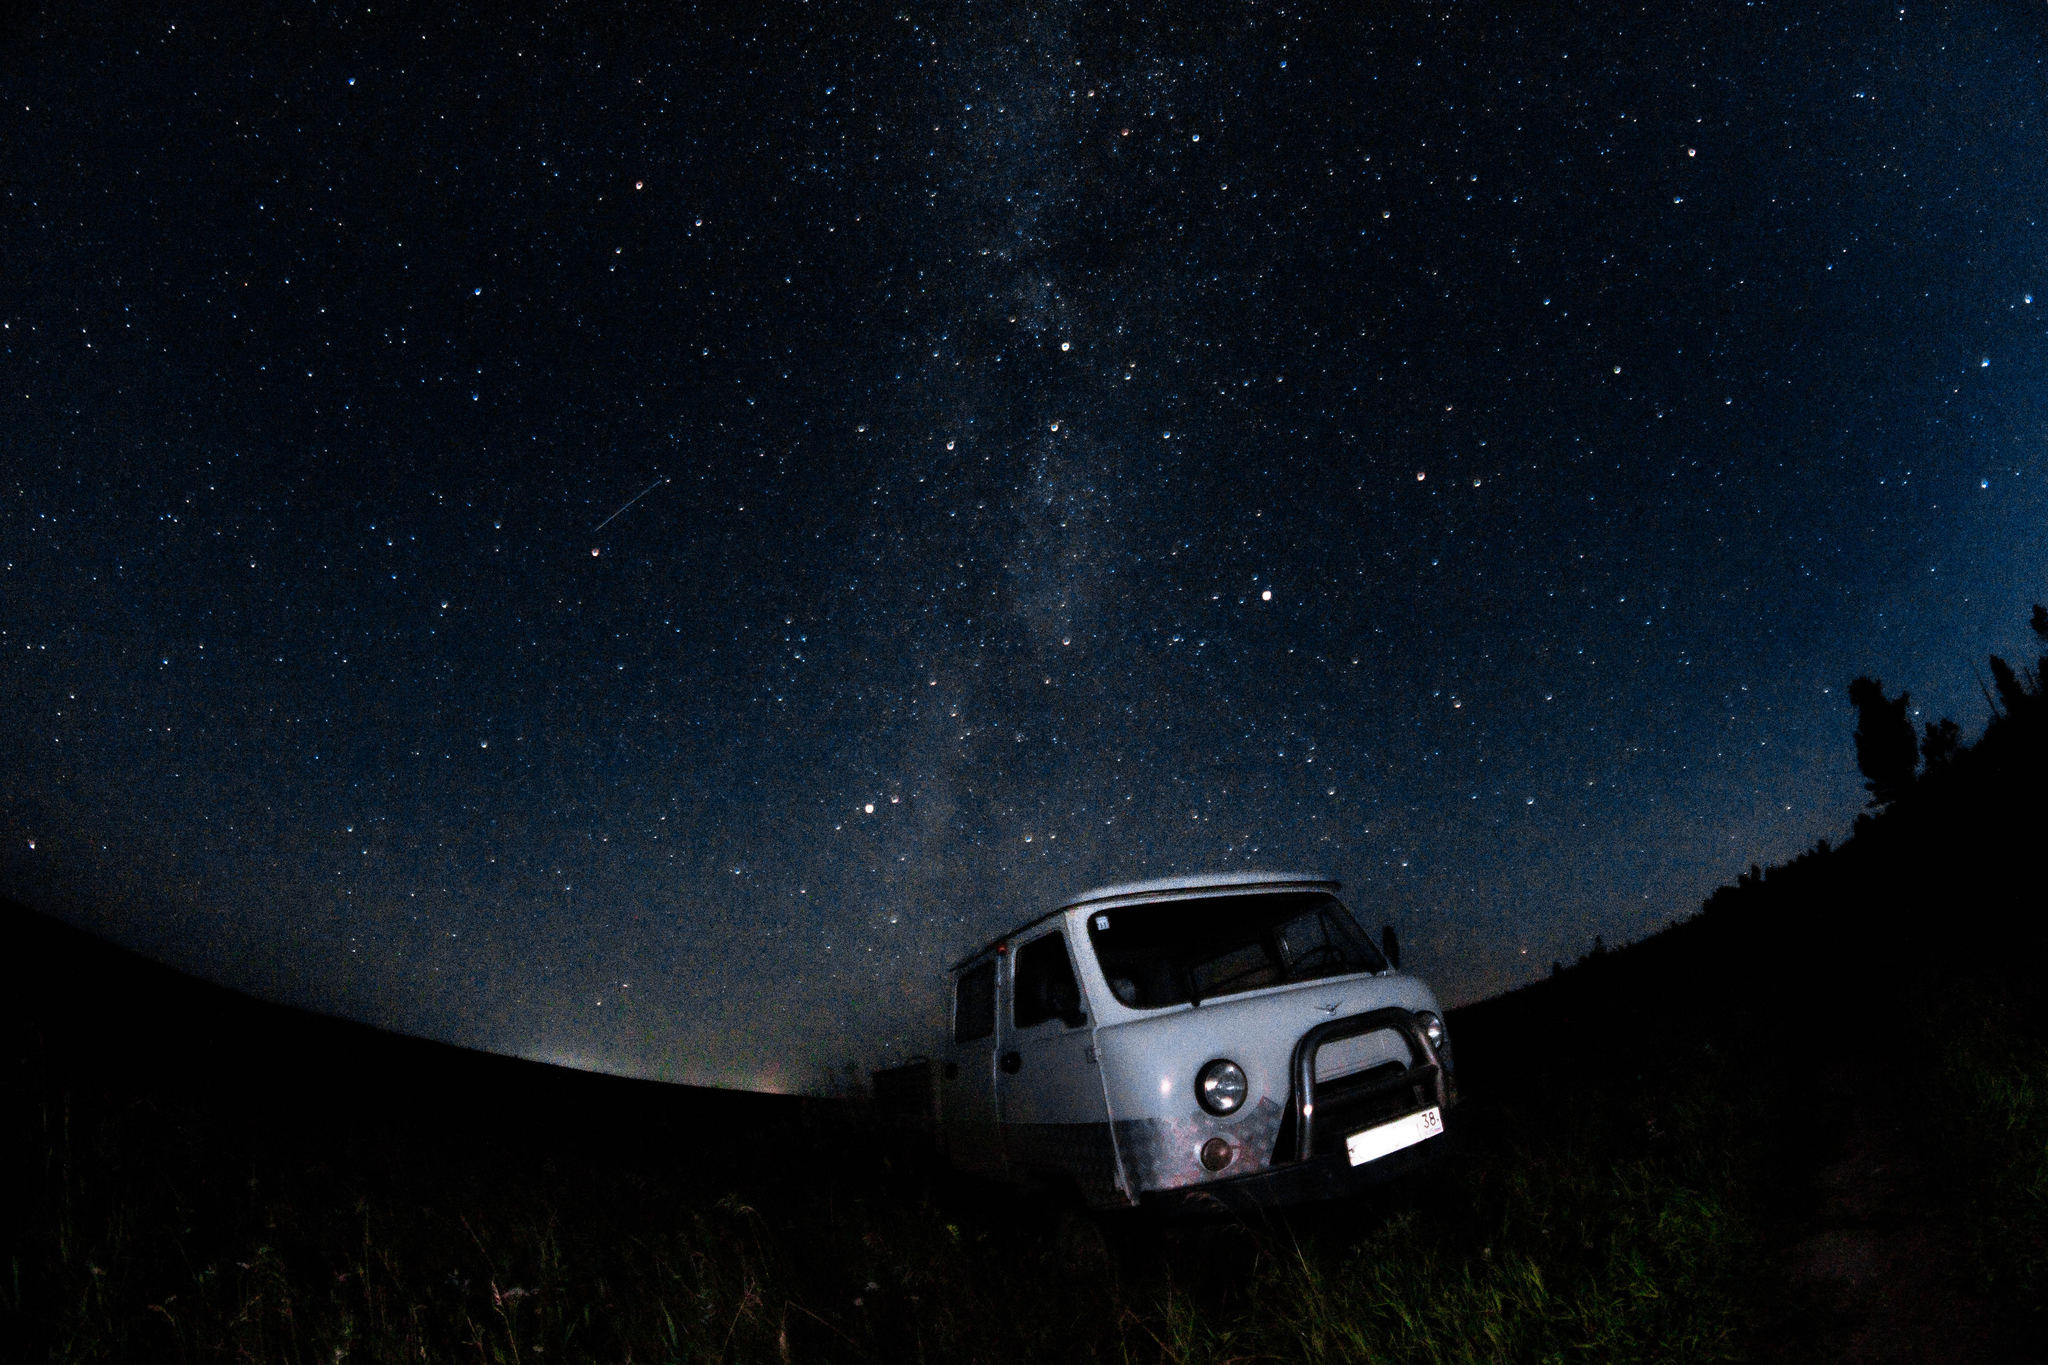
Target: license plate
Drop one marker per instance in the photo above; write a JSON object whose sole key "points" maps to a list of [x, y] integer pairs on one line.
{"points": [[1374, 1143]]}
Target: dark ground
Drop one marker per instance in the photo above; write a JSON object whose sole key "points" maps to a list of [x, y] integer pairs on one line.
{"points": [[1865, 1253], [1839, 1009]]}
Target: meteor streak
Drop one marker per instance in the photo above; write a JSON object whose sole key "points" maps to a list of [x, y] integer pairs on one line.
{"points": [[629, 502]]}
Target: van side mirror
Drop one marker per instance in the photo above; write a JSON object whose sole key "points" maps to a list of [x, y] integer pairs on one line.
{"points": [[1390, 947]]}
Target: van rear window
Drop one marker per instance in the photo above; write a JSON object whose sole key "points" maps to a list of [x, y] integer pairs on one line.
{"points": [[1175, 952], [974, 1012]]}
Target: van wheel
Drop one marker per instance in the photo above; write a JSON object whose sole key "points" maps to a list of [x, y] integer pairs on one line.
{"points": [[1079, 1241], [1132, 1240], [1063, 1212]]}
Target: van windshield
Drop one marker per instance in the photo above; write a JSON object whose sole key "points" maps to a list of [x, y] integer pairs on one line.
{"points": [[1177, 952]]}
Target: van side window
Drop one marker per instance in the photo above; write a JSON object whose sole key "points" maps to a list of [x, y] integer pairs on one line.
{"points": [[974, 1012], [1046, 988]]}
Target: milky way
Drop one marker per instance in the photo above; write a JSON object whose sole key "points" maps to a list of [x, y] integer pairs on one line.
{"points": [[635, 538]]}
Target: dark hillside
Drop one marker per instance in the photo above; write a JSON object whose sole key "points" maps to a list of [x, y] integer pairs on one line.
{"points": [[130, 1034], [1876, 1007], [204, 1156], [122, 1037], [1943, 890]]}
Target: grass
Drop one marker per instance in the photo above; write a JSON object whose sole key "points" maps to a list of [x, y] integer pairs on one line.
{"points": [[164, 1231], [1996, 1088], [1625, 1212], [1613, 1263]]}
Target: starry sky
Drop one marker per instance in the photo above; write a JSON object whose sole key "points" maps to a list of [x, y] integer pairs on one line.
{"points": [[633, 535]]}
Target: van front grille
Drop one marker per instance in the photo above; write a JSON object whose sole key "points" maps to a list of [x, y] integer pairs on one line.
{"points": [[1361, 1100], [1356, 1073], [1341, 1057]]}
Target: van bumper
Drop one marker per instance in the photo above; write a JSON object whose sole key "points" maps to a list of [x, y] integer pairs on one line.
{"points": [[1299, 1182]]}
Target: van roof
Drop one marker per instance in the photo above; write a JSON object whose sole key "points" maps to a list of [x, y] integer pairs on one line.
{"points": [[1164, 888]]}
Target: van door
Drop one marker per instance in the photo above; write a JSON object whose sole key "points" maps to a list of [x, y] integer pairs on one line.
{"points": [[1049, 1088], [967, 1076]]}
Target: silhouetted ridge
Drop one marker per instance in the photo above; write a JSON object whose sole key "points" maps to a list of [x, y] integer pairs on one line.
{"points": [[140, 1030], [1941, 881]]}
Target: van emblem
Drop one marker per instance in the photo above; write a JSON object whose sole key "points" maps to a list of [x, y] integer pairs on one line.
{"points": [[1331, 1009]]}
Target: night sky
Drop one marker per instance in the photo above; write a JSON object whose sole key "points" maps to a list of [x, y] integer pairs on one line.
{"points": [[633, 535]]}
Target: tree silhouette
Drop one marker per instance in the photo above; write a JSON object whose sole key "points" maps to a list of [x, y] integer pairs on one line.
{"points": [[2022, 688], [1941, 743], [2040, 625], [2011, 690], [1886, 749]]}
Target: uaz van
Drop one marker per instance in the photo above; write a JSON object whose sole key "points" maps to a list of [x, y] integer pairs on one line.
{"points": [[1223, 1041]]}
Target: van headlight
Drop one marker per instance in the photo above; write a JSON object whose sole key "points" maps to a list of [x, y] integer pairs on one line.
{"points": [[1221, 1086]]}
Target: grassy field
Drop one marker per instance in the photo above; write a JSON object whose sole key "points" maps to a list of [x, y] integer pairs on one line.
{"points": [[163, 1236], [1998, 1082], [337, 1195]]}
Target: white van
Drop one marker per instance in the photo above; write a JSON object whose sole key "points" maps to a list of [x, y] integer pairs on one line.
{"points": [[1225, 1041]]}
